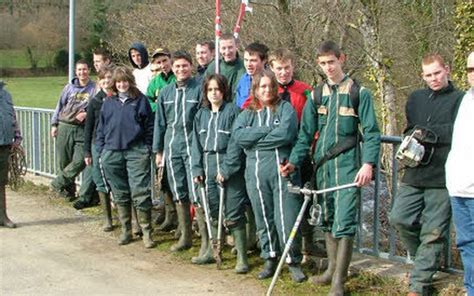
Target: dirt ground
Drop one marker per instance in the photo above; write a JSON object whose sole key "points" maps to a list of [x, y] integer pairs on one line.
{"points": [[57, 250]]}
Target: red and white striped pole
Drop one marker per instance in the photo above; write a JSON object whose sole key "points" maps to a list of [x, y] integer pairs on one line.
{"points": [[244, 7], [218, 34]]}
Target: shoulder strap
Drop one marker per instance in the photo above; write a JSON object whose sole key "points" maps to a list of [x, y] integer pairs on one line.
{"points": [[354, 94], [317, 94]]}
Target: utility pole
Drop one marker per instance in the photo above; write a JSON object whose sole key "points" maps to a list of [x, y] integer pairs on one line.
{"points": [[72, 12]]}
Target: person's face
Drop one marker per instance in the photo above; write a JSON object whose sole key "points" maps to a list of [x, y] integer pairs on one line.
{"points": [[283, 71], [228, 50], [136, 57], [203, 54], [182, 69], [435, 75], [82, 72], [470, 69], [99, 61], [106, 82], [253, 64], [331, 66], [214, 94], [264, 91], [163, 63], [155, 69], [122, 86]]}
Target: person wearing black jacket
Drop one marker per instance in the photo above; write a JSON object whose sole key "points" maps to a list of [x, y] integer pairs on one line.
{"points": [[91, 157], [421, 211], [124, 139]]}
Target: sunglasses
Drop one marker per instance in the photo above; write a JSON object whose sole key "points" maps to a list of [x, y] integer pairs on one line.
{"points": [[470, 69], [155, 70]]}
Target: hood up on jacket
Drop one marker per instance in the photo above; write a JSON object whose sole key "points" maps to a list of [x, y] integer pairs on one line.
{"points": [[143, 52]]}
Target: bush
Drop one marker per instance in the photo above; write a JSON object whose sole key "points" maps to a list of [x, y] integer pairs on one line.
{"points": [[61, 59]]}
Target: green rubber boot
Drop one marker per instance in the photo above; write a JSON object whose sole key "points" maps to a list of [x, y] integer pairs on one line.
{"points": [[4, 220], [251, 229], [331, 249], [171, 219], [205, 252], [145, 223], [344, 256], [105, 202], [125, 213], [240, 239], [185, 240]]}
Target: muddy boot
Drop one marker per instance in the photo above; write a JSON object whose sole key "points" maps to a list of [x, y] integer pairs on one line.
{"points": [[137, 229], [185, 240], [269, 268], [331, 249], [171, 220], [105, 202], [240, 240], [251, 229], [296, 273], [344, 256], [124, 213], [160, 215], [145, 223], [205, 252], [4, 220]]}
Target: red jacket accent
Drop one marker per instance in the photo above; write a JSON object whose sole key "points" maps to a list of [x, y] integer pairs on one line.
{"points": [[297, 96]]}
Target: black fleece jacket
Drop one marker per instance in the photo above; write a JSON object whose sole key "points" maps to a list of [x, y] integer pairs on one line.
{"points": [[435, 110]]}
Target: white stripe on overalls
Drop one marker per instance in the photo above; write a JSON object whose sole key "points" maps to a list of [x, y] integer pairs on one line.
{"points": [[170, 154], [260, 195], [188, 148], [206, 156]]}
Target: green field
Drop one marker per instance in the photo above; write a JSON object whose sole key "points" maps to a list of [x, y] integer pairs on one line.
{"points": [[17, 58], [38, 92]]}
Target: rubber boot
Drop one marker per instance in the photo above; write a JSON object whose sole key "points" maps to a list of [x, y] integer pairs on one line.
{"points": [[185, 240], [251, 229], [206, 252], [344, 256], [145, 222], [170, 222], [296, 273], [125, 213], [160, 214], [4, 220], [331, 249], [240, 240], [137, 229], [269, 268], [105, 202]]}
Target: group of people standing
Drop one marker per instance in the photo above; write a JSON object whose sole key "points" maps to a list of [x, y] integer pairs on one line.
{"points": [[245, 133]]}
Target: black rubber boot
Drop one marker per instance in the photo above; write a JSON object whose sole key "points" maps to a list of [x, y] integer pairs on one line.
{"points": [[185, 240], [160, 214], [296, 273], [344, 256], [145, 222], [105, 202], [269, 268], [240, 239], [331, 249], [251, 229], [4, 220], [124, 213], [171, 218]]}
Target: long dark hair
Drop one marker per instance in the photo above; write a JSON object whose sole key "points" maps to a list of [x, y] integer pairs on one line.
{"points": [[123, 73], [221, 83], [254, 101]]}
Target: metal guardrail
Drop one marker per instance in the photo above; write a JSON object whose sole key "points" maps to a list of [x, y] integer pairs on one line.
{"points": [[42, 159]]}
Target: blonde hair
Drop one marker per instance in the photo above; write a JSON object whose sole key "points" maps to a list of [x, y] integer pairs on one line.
{"points": [[254, 100]]}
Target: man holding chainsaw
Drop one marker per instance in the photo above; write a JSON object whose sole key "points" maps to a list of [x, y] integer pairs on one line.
{"points": [[421, 210], [338, 159]]}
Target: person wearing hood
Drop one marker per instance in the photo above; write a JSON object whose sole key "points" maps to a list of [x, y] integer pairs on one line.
{"points": [[67, 127], [138, 56]]}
